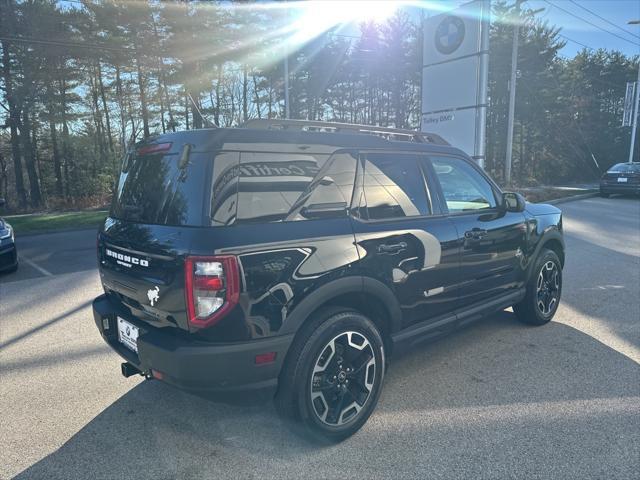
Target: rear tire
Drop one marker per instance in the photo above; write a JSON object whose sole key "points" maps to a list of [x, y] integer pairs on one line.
{"points": [[543, 291], [604, 195], [333, 376]]}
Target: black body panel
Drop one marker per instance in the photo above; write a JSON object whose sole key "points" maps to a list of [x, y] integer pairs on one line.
{"points": [[420, 269]]}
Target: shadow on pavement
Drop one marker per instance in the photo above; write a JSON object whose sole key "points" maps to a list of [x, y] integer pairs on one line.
{"points": [[475, 402], [604, 269], [45, 325]]}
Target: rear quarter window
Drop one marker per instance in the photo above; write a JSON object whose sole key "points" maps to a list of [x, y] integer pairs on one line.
{"points": [[260, 187]]}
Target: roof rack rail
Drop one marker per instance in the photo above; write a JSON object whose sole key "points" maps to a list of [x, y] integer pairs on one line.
{"points": [[334, 127]]}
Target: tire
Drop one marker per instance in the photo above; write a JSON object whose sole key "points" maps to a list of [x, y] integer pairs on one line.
{"points": [[345, 350], [544, 290], [604, 195]]}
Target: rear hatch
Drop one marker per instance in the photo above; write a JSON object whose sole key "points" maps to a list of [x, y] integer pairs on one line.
{"points": [[160, 198], [622, 173]]}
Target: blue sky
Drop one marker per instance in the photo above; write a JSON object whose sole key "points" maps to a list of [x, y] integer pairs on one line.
{"points": [[618, 12]]}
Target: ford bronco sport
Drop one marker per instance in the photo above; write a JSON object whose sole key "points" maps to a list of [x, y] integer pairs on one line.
{"points": [[295, 258]]}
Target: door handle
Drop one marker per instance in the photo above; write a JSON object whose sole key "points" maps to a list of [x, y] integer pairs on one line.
{"points": [[475, 234], [393, 248]]}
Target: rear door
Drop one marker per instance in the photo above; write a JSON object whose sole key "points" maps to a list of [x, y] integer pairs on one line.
{"points": [[492, 241], [160, 197], [403, 240]]}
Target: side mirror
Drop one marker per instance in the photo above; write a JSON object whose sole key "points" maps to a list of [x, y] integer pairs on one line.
{"points": [[513, 202], [2, 202]]}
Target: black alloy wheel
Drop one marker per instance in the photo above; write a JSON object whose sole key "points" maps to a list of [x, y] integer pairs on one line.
{"points": [[544, 289], [343, 378]]}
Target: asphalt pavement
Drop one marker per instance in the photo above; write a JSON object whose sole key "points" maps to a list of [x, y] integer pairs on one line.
{"points": [[495, 400]]}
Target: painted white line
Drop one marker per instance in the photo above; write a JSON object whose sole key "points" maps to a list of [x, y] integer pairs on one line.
{"points": [[35, 265]]}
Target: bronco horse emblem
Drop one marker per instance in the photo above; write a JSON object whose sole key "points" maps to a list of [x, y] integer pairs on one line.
{"points": [[153, 294]]}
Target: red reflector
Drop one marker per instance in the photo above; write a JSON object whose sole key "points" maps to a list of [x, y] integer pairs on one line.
{"points": [[208, 283], [157, 375], [154, 148], [263, 358]]}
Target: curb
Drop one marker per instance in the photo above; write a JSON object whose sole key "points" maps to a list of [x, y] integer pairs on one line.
{"points": [[53, 232], [572, 198]]}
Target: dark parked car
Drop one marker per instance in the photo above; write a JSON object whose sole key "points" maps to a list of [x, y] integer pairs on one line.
{"points": [[296, 258], [8, 250], [621, 178]]}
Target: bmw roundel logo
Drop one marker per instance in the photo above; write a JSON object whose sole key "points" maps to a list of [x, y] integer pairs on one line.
{"points": [[449, 34]]}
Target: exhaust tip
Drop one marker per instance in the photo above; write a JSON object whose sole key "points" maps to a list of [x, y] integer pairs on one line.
{"points": [[129, 370]]}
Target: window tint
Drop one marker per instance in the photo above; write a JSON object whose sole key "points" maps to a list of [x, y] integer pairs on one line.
{"points": [[394, 186], [269, 184], [463, 187], [224, 191], [329, 194], [625, 168], [273, 187], [155, 189]]}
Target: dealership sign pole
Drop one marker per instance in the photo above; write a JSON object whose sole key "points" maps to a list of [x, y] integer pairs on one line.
{"points": [[455, 76]]}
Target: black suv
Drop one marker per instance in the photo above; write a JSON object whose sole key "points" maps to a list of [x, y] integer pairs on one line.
{"points": [[295, 258]]}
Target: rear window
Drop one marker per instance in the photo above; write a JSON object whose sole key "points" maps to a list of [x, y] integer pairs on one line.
{"points": [[625, 168], [155, 189]]}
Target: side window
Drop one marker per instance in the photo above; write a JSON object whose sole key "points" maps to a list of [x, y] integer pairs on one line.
{"points": [[394, 186], [270, 184], [224, 188], [329, 194], [274, 187], [463, 187]]}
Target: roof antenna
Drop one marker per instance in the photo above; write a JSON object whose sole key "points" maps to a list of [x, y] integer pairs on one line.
{"points": [[206, 120]]}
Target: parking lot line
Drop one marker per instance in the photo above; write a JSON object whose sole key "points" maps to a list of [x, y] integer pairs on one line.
{"points": [[33, 264]]}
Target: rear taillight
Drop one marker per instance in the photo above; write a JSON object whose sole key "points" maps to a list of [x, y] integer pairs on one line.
{"points": [[212, 286]]}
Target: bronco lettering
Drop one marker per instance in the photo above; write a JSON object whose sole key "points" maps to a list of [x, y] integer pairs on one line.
{"points": [[126, 260]]}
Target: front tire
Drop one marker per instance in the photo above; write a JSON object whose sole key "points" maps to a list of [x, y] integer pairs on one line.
{"points": [[333, 376], [543, 291]]}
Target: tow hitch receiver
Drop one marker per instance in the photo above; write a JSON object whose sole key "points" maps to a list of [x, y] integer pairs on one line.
{"points": [[129, 370]]}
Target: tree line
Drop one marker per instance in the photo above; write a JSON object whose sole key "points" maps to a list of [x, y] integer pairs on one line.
{"points": [[80, 81]]}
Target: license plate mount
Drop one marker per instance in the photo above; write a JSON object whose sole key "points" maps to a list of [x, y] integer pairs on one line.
{"points": [[128, 334]]}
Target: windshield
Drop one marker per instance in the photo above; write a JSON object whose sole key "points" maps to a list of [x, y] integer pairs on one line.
{"points": [[154, 189], [625, 168]]}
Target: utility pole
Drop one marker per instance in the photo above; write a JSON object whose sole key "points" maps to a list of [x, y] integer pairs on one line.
{"points": [[286, 84], [287, 113], [512, 94], [635, 107], [634, 114]]}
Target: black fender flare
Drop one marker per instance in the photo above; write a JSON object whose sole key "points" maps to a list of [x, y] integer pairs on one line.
{"points": [[354, 284], [551, 233]]}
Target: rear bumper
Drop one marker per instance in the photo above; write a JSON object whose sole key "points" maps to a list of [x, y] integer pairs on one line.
{"points": [[631, 189], [194, 366]]}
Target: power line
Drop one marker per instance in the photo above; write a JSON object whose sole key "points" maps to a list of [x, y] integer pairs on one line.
{"points": [[604, 19], [592, 24], [575, 41], [64, 43]]}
